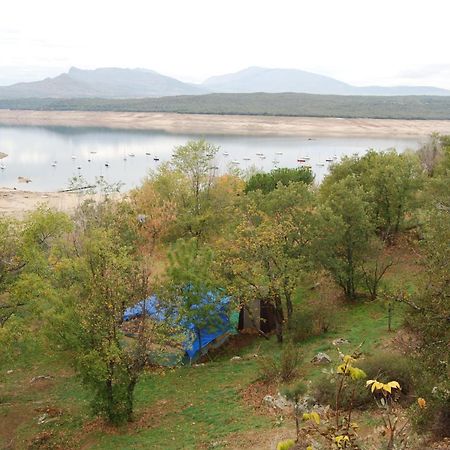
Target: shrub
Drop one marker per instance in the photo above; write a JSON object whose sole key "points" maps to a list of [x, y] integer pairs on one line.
{"points": [[435, 416], [313, 319], [383, 367], [324, 391], [286, 445], [289, 362], [284, 367], [386, 367]]}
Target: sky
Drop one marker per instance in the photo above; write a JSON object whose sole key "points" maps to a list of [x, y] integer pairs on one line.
{"points": [[362, 42]]}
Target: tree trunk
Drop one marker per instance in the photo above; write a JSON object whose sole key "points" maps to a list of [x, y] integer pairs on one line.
{"points": [[130, 399], [279, 318]]}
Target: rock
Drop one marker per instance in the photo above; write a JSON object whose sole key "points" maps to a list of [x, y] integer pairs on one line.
{"points": [[340, 341], [321, 358], [277, 402], [42, 419], [40, 377], [236, 358], [10, 371]]}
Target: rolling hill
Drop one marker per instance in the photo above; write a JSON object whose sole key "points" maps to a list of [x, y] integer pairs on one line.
{"points": [[102, 83], [119, 83], [259, 79]]}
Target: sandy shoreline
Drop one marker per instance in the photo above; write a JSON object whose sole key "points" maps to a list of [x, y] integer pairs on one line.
{"points": [[17, 203], [229, 124]]}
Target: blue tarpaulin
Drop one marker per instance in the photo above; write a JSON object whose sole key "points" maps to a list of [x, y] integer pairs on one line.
{"points": [[191, 345]]}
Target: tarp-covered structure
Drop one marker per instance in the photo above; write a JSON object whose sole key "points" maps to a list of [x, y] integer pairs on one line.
{"points": [[223, 324]]}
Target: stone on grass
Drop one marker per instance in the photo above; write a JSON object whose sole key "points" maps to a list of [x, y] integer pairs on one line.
{"points": [[321, 358]]}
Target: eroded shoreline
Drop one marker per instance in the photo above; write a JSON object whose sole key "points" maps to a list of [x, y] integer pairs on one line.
{"points": [[198, 124]]}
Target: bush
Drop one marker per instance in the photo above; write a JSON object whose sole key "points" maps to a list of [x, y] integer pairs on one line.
{"points": [[435, 417], [383, 367], [282, 368], [312, 319], [324, 391], [387, 367]]}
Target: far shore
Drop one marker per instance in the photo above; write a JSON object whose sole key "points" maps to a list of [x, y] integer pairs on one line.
{"points": [[198, 124]]}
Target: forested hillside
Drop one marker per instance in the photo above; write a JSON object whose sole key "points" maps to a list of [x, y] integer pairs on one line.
{"points": [[288, 104], [352, 277]]}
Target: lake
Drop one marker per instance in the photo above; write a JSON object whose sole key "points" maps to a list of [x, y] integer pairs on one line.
{"points": [[50, 156]]}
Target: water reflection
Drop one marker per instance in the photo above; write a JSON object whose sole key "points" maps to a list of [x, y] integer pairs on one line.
{"points": [[49, 156]]}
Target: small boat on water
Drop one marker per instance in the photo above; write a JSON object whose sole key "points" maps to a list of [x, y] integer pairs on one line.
{"points": [[2, 167], [147, 153], [225, 153], [79, 167], [54, 164], [132, 155], [155, 158], [262, 157], [235, 161], [246, 159], [275, 161], [106, 164], [278, 153], [73, 157], [301, 160], [329, 160], [320, 164]]}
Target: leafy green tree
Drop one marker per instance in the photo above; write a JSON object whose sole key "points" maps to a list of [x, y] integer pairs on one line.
{"points": [[199, 197], [389, 182], [261, 261], [96, 279], [267, 182], [190, 287], [25, 269], [343, 230]]}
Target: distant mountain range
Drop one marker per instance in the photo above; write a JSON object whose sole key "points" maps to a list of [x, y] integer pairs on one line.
{"points": [[102, 83], [142, 83]]}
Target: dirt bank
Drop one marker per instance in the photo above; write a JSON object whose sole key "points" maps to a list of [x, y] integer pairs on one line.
{"points": [[18, 203], [229, 124]]}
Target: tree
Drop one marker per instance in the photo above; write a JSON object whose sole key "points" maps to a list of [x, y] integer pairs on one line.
{"points": [[199, 197], [190, 288], [25, 268], [343, 230], [260, 261], [267, 182], [389, 182], [374, 266], [96, 279]]}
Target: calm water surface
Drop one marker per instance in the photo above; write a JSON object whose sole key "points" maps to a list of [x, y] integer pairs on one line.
{"points": [[49, 156]]}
